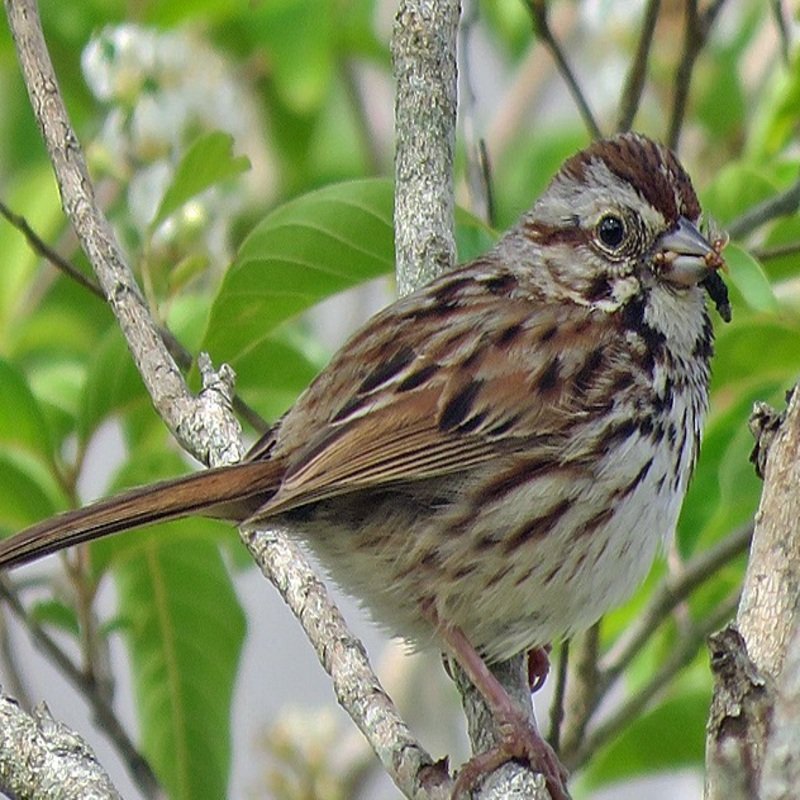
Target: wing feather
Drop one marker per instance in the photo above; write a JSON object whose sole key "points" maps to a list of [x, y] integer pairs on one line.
{"points": [[495, 383]]}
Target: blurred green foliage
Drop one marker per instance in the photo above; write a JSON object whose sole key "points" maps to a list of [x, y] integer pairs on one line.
{"points": [[230, 258]]}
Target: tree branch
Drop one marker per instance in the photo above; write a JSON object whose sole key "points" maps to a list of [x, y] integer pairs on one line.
{"points": [[424, 58], [770, 606], [695, 35], [782, 759], [423, 55], [41, 758], [541, 26], [783, 204], [768, 620], [343, 657], [634, 84], [204, 426], [105, 716]]}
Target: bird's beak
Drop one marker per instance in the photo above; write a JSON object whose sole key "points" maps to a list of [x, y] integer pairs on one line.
{"points": [[685, 257]]}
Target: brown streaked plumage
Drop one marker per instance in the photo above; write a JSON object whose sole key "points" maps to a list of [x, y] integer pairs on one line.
{"points": [[493, 461]]}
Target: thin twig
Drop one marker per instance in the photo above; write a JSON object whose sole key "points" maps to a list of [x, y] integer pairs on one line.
{"points": [[683, 652], [44, 250], [782, 205], [14, 680], [776, 251], [559, 692], [541, 26], [582, 682], [783, 29], [104, 714], [695, 35], [477, 171], [182, 356], [204, 426], [366, 136], [634, 84]]}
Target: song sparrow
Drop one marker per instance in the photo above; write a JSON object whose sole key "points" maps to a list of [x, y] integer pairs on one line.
{"points": [[493, 461]]}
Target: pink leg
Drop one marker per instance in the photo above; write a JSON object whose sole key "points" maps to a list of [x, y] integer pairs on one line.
{"points": [[518, 739], [538, 666]]}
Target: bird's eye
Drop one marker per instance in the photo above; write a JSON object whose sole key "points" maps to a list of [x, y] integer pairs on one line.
{"points": [[611, 230]]}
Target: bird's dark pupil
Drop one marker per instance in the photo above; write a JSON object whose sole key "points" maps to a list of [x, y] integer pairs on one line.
{"points": [[611, 231]]}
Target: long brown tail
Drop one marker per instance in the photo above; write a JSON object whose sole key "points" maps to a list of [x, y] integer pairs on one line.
{"points": [[232, 493]]}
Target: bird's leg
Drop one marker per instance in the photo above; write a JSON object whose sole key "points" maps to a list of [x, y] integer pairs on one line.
{"points": [[538, 666], [517, 736]]}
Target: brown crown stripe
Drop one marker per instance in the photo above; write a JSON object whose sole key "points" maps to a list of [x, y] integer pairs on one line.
{"points": [[651, 169]]}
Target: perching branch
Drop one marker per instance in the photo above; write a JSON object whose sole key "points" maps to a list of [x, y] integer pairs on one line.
{"points": [[343, 657], [424, 57]]}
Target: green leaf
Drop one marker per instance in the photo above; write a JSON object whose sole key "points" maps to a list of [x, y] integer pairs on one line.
{"points": [[112, 384], [273, 389], [308, 249], [57, 614], [473, 236], [299, 39], [670, 736], [58, 384], [31, 193], [208, 161], [28, 490], [184, 632], [737, 187], [747, 274], [21, 419]]}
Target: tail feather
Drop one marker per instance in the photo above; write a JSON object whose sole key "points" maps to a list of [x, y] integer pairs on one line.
{"points": [[232, 493]]}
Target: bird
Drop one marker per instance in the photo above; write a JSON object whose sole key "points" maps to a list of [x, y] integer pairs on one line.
{"points": [[493, 461]]}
